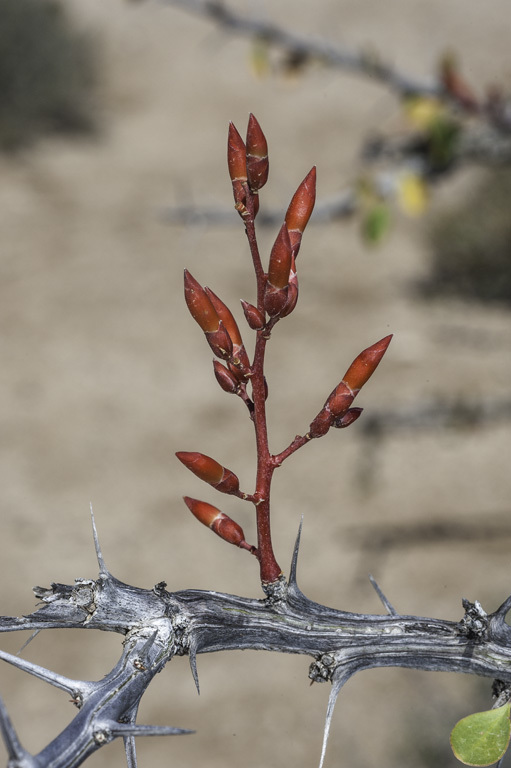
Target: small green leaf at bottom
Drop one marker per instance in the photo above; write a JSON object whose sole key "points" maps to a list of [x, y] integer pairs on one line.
{"points": [[482, 738], [376, 223]]}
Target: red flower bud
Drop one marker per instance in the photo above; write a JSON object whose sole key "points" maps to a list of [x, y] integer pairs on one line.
{"points": [[292, 290], [257, 155], [236, 155], [221, 524], [351, 415], [225, 316], [229, 483], [280, 260], [300, 209], [210, 471], [239, 355], [237, 162], [275, 300], [364, 365], [321, 424], [254, 318], [199, 304], [455, 85], [225, 378], [340, 400], [204, 467], [220, 342]]}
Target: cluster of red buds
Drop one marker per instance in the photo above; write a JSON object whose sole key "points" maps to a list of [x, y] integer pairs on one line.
{"points": [[277, 294]]}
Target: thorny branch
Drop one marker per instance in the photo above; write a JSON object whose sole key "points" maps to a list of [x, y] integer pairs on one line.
{"points": [[158, 625]]}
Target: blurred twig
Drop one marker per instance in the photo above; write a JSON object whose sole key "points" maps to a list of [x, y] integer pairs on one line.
{"points": [[336, 208], [458, 414], [472, 130], [443, 530], [376, 542], [303, 49], [433, 416]]}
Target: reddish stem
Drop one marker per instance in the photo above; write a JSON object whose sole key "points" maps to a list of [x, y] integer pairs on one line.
{"points": [[270, 569], [297, 443]]}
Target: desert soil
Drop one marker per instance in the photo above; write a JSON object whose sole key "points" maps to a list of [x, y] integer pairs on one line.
{"points": [[104, 376]]}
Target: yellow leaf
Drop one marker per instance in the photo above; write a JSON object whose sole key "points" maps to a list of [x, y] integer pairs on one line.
{"points": [[259, 59], [412, 194], [423, 111]]}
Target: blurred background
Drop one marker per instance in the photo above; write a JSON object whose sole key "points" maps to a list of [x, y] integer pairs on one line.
{"points": [[115, 114]]}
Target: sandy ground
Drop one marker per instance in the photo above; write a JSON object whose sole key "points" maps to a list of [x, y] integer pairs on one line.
{"points": [[104, 376]]}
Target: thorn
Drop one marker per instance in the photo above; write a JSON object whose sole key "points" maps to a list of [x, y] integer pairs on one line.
{"points": [[17, 755], [131, 729], [340, 677], [390, 608], [294, 561], [504, 608], [131, 752], [53, 678], [32, 636], [192, 654], [129, 741], [336, 687], [144, 652], [99, 555]]}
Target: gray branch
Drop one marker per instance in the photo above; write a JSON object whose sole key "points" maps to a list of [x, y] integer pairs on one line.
{"points": [[302, 49], [158, 625]]}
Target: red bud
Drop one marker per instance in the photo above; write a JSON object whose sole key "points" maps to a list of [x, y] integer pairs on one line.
{"points": [[364, 365], [321, 424], [221, 524], [199, 304], [455, 85], [225, 316], [292, 291], [210, 471], [254, 318], [340, 400], [239, 355], [351, 415], [361, 369], [275, 300], [236, 155], [257, 155], [204, 467], [225, 378], [237, 162], [229, 483], [300, 209], [220, 342], [280, 260]]}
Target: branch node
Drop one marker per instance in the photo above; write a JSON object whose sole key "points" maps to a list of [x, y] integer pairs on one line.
{"points": [[322, 669], [275, 591], [474, 623]]}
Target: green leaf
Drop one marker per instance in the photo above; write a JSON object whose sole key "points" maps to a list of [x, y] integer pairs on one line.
{"points": [[444, 135], [375, 223], [482, 738]]}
